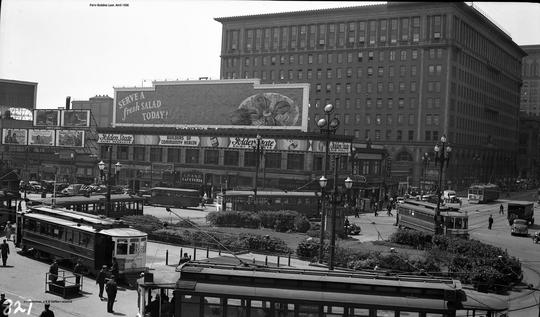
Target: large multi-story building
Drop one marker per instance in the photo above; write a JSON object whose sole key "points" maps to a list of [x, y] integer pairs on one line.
{"points": [[400, 74], [530, 91]]}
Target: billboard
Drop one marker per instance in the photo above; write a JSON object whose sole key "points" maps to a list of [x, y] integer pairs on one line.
{"points": [[113, 138], [241, 103], [179, 140], [75, 118], [14, 136], [17, 94], [70, 138], [41, 137], [46, 117]]}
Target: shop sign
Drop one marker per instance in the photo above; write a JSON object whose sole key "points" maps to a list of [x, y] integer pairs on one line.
{"points": [[250, 143], [162, 167], [192, 177], [179, 140], [110, 138], [340, 147]]}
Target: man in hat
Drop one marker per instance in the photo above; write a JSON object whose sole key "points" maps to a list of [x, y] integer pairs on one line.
{"points": [[78, 271], [4, 248], [47, 312], [111, 289], [100, 280]]}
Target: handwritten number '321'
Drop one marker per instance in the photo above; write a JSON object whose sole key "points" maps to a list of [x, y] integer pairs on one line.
{"points": [[15, 307]]}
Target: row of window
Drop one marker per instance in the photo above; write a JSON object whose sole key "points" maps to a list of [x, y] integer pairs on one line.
{"points": [[332, 35], [330, 58], [60, 233], [431, 103], [432, 87]]}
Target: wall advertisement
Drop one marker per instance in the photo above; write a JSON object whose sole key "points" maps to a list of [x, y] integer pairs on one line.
{"points": [[46, 118], [335, 147], [75, 118], [112, 138], [251, 143], [14, 136], [41, 137], [241, 103], [70, 138], [179, 140]]}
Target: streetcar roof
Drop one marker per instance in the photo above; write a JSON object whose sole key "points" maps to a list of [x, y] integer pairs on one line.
{"points": [[59, 221], [175, 189], [269, 193], [123, 232], [75, 215], [424, 208], [520, 203], [80, 200]]}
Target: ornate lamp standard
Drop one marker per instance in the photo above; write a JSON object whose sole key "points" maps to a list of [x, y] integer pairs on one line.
{"points": [[425, 164], [328, 127], [101, 166], [442, 155], [334, 200]]}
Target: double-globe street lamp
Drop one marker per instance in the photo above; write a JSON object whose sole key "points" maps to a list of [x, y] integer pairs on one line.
{"points": [[334, 201], [101, 166], [328, 127], [442, 156]]}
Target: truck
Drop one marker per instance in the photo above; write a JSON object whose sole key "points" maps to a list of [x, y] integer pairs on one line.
{"points": [[520, 210]]}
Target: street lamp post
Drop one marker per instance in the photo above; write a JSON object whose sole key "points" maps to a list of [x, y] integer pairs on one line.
{"points": [[257, 163], [328, 127], [442, 156], [101, 166], [425, 163]]}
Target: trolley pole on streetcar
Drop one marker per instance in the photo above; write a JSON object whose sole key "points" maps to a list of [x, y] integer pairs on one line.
{"points": [[108, 182], [327, 127], [442, 156]]}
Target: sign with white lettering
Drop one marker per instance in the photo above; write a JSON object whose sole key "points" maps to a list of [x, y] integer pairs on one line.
{"points": [[110, 138], [251, 143], [335, 147], [179, 140], [192, 177], [206, 104]]}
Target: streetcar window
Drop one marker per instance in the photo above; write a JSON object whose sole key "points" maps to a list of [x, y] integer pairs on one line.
{"points": [[441, 315], [414, 314], [121, 247], [212, 306], [459, 223], [278, 201], [75, 237], [283, 309], [260, 308], [308, 310], [133, 247], [236, 307], [358, 312], [190, 305], [333, 311], [385, 313]]}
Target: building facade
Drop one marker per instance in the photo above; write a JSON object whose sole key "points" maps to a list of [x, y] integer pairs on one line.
{"points": [[100, 106], [400, 75], [530, 91]]}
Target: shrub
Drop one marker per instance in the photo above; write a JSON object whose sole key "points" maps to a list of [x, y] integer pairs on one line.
{"points": [[145, 223], [301, 224], [234, 219], [414, 238], [281, 220], [308, 249]]}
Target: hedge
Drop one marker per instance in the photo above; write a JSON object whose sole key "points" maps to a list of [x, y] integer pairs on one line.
{"points": [[281, 221]]}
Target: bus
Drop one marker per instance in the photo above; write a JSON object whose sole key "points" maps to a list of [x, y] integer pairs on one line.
{"points": [[306, 203], [174, 197], [520, 210], [229, 290], [121, 204], [483, 193], [420, 216], [69, 236]]}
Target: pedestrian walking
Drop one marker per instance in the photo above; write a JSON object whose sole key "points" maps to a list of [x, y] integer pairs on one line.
{"points": [[501, 210], [4, 305], [78, 270], [7, 231], [389, 210], [490, 222], [356, 212], [111, 289], [100, 280], [47, 312], [4, 248], [114, 268], [53, 272]]}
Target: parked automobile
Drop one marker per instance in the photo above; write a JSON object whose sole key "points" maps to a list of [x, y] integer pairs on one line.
{"points": [[520, 227], [76, 189], [400, 200]]}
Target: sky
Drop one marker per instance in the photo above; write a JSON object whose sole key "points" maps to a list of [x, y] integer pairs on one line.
{"points": [[79, 49]]}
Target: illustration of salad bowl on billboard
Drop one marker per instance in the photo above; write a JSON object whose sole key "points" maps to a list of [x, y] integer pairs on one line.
{"points": [[266, 109]]}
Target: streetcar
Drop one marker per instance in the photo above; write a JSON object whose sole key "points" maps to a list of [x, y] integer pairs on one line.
{"points": [[420, 216], [483, 193], [174, 197], [219, 289], [306, 203], [120, 204], [70, 236]]}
